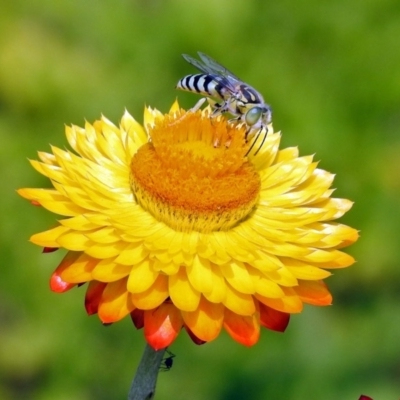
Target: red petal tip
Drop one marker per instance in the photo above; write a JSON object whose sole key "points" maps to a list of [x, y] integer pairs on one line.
{"points": [[93, 296], [162, 325], [49, 249], [58, 285], [273, 319], [137, 317]]}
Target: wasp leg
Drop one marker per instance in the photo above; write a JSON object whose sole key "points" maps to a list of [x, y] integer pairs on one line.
{"points": [[236, 119], [197, 106], [220, 108]]}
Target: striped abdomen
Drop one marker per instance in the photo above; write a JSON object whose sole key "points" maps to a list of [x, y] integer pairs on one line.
{"points": [[203, 84]]}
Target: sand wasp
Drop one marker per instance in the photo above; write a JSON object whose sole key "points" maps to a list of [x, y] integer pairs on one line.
{"points": [[234, 96]]}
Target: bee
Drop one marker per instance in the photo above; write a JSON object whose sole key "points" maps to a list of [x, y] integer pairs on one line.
{"points": [[241, 100]]}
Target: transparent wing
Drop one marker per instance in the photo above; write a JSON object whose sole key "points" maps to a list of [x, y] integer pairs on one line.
{"points": [[197, 64], [217, 68]]}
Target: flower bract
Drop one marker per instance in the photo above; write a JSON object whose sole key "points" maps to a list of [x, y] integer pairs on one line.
{"points": [[183, 223]]}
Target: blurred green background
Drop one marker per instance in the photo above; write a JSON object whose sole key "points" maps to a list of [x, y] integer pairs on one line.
{"points": [[330, 70]]}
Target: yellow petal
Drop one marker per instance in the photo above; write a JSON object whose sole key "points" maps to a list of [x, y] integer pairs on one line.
{"points": [[268, 153], [78, 223], [132, 254], [217, 293], [150, 115], [175, 107], [305, 271], [199, 274], [49, 238], [182, 293], [153, 296], [141, 277], [104, 250], [104, 235], [239, 303], [238, 277], [109, 271], [281, 276], [287, 154], [134, 130], [263, 285]]}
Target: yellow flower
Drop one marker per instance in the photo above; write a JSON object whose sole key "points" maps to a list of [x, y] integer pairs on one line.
{"points": [[184, 224]]}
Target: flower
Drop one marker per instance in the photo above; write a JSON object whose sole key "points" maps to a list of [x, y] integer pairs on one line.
{"points": [[185, 223]]}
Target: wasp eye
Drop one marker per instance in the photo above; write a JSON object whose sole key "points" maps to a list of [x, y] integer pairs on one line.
{"points": [[253, 115]]}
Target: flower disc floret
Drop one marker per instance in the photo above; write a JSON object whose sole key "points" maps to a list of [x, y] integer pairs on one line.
{"points": [[193, 174]]}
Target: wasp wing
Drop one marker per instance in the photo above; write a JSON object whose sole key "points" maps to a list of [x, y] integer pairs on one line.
{"points": [[230, 80], [216, 68], [196, 63]]}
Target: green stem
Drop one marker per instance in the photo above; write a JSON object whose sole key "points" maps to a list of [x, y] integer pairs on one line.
{"points": [[144, 383]]}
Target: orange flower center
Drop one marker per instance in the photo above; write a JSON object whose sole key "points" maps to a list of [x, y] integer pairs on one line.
{"points": [[193, 174]]}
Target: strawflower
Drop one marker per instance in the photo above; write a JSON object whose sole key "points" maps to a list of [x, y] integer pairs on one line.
{"points": [[183, 224]]}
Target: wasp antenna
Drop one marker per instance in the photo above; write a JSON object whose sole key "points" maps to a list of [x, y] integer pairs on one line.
{"points": [[254, 142], [263, 141]]}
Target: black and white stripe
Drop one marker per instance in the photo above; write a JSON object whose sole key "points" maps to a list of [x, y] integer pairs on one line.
{"points": [[201, 83]]}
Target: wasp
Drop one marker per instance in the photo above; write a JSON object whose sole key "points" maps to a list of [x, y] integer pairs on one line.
{"points": [[234, 96]]}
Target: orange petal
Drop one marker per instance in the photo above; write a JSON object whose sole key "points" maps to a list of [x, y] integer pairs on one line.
{"points": [[245, 330], [273, 319], [290, 303], [80, 270], [115, 302], [93, 295], [57, 283], [194, 338], [314, 292], [162, 325], [206, 321]]}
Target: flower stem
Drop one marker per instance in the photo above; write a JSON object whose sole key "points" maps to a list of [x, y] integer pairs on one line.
{"points": [[144, 383]]}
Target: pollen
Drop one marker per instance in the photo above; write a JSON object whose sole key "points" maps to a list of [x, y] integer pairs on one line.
{"points": [[194, 173]]}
